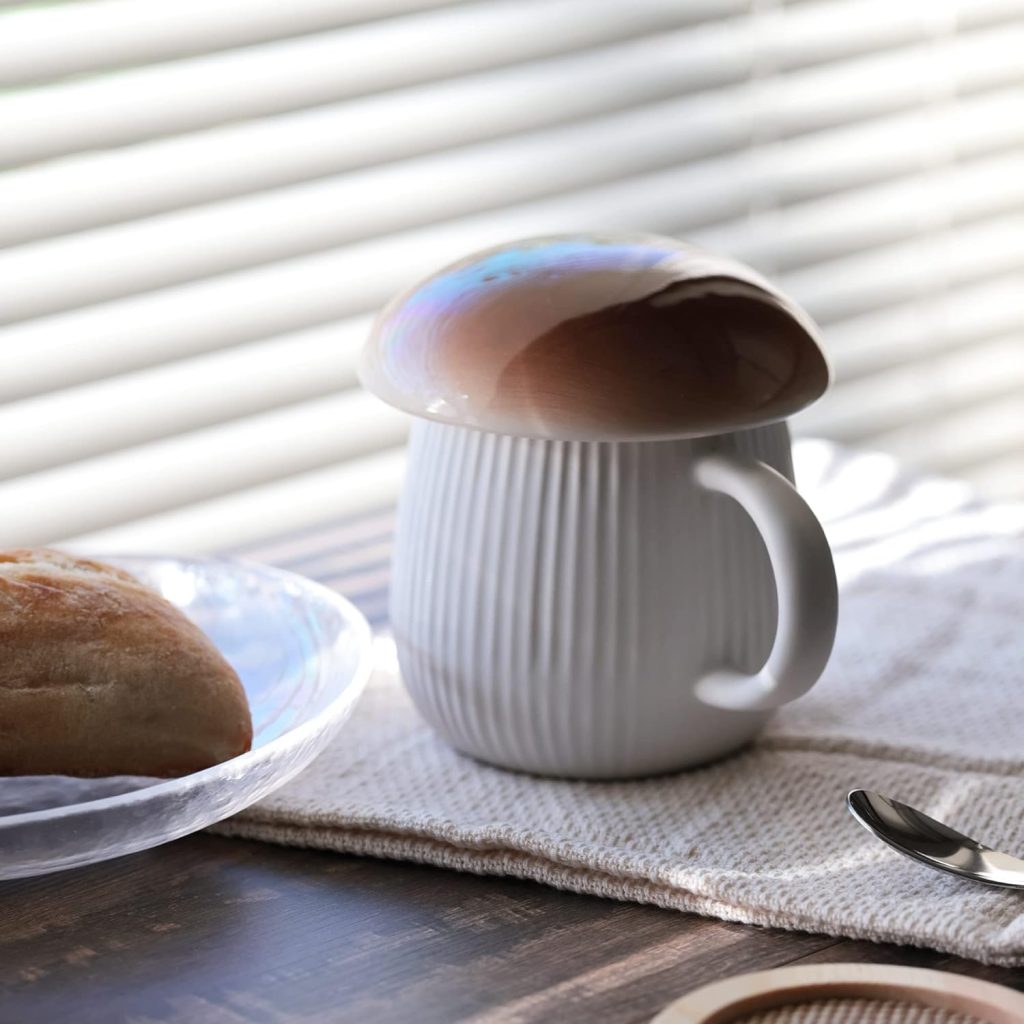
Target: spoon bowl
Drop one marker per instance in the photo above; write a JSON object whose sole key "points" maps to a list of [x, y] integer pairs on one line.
{"points": [[924, 839]]}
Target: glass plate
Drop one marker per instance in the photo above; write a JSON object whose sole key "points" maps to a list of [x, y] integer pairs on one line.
{"points": [[303, 654]]}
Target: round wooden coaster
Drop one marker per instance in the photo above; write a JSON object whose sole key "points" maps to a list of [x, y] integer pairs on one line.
{"points": [[735, 998]]}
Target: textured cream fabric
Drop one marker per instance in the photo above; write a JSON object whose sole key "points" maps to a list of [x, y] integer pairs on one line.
{"points": [[923, 700], [858, 1011]]}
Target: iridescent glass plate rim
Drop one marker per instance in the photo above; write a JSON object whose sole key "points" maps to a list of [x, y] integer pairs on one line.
{"points": [[293, 749]]}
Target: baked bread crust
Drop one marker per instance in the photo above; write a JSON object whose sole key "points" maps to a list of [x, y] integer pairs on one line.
{"points": [[99, 675]]}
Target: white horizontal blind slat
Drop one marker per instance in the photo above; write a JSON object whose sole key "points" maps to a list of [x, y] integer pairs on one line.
{"points": [[255, 81], [997, 478], [97, 188], [133, 408], [984, 371], [47, 43], [822, 229], [985, 432], [188, 95], [53, 42], [348, 489], [109, 489], [841, 288], [92, 189], [875, 341]]}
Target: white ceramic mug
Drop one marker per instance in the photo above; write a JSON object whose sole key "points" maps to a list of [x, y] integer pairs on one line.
{"points": [[601, 567], [606, 609]]}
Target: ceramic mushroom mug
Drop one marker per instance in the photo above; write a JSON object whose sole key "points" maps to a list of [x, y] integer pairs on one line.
{"points": [[602, 568]]}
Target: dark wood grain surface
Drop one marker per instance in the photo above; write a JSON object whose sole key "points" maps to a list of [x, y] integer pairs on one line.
{"points": [[224, 931]]}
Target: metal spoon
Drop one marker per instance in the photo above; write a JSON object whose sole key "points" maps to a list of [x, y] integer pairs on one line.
{"points": [[929, 841]]}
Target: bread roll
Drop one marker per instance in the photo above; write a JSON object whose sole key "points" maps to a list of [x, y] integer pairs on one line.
{"points": [[99, 675]]}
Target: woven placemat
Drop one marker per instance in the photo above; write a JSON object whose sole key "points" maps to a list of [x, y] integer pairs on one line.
{"points": [[923, 700]]}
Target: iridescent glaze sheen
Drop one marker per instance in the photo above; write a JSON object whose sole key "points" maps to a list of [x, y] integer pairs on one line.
{"points": [[595, 338]]}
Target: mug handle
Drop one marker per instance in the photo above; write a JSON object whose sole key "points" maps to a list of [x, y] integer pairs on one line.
{"points": [[805, 580]]}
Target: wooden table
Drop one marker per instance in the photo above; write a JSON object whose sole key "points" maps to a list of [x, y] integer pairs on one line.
{"points": [[224, 931]]}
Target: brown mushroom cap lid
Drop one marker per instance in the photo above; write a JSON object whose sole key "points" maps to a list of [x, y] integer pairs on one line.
{"points": [[595, 337]]}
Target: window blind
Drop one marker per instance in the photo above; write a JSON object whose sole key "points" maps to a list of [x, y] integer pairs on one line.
{"points": [[202, 204]]}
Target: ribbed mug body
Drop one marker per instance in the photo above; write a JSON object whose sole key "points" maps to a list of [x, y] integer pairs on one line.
{"points": [[555, 602]]}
